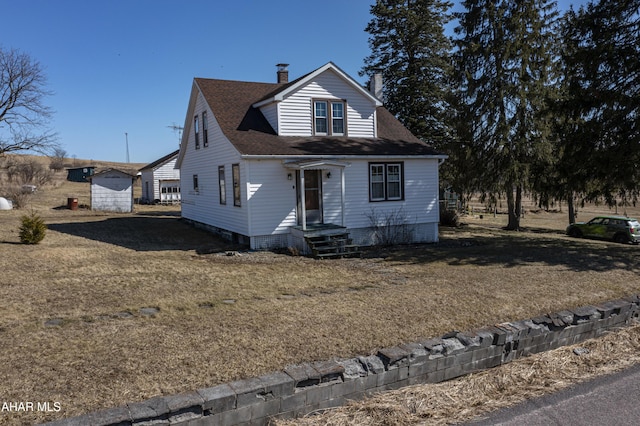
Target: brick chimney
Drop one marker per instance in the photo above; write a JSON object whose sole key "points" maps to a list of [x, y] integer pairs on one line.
{"points": [[283, 73]]}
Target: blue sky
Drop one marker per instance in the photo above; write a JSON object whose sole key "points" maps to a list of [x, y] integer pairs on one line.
{"points": [[126, 66]]}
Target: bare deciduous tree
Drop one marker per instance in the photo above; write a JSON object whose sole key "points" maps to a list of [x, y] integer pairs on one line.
{"points": [[28, 172], [57, 160], [23, 114]]}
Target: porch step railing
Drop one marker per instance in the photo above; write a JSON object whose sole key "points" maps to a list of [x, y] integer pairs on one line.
{"points": [[334, 245]]}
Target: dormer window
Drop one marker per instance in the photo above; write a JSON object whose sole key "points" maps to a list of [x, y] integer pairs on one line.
{"points": [[328, 118], [337, 118]]}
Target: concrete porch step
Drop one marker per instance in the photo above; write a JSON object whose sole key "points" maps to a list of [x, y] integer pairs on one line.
{"points": [[333, 245]]}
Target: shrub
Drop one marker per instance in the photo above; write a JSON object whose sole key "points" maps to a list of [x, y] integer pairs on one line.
{"points": [[389, 228], [17, 196], [33, 229], [449, 218]]}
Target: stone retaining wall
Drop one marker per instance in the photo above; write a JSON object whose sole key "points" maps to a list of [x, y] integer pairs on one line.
{"points": [[301, 389]]}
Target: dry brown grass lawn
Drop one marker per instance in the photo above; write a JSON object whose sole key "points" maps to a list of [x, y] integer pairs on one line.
{"points": [[222, 318]]}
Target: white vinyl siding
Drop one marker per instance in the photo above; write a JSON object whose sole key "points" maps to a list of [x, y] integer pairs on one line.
{"points": [[272, 197], [204, 206], [112, 191], [270, 112], [151, 179], [420, 203], [296, 110]]}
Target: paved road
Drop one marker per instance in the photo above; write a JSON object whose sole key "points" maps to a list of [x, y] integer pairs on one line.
{"points": [[608, 400]]}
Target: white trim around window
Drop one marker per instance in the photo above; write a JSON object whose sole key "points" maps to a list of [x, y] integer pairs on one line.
{"points": [[329, 117], [196, 131], [386, 181], [222, 185], [235, 176], [205, 130]]}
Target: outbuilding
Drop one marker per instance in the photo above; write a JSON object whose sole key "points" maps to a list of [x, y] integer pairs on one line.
{"points": [[112, 191], [161, 181], [80, 174]]}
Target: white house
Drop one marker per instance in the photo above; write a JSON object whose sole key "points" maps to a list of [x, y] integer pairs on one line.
{"points": [[161, 180], [112, 191], [269, 164]]}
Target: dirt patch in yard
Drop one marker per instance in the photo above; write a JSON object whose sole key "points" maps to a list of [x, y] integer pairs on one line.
{"points": [[110, 309]]}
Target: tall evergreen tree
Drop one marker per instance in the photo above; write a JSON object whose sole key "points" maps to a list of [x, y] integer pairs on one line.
{"points": [[504, 60], [602, 101], [410, 49]]}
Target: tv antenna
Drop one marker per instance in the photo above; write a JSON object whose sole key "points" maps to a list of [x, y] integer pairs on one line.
{"points": [[178, 130]]}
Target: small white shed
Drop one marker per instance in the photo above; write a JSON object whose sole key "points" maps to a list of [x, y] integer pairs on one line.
{"points": [[161, 180], [112, 191]]}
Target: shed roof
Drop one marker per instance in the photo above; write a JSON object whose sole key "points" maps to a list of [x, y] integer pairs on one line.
{"points": [[106, 171]]}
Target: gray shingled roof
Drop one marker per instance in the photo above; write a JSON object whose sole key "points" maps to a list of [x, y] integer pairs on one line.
{"points": [[249, 131]]}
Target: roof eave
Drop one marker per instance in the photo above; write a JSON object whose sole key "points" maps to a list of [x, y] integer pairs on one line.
{"points": [[285, 157]]}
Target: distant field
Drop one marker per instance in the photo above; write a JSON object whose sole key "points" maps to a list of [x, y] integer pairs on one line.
{"points": [[122, 307]]}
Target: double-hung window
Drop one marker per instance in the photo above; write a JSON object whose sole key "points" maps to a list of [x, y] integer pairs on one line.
{"points": [[196, 132], [222, 185], [205, 130], [386, 182], [235, 175], [195, 183], [329, 118], [337, 118]]}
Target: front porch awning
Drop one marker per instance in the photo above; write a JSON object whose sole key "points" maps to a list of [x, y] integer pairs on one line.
{"points": [[315, 164]]}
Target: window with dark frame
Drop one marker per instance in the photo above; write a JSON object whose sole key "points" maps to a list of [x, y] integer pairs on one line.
{"points": [[235, 172], [205, 130], [196, 132], [195, 182], [386, 182], [329, 118], [221, 185]]}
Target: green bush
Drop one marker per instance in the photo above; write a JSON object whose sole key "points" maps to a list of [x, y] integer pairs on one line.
{"points": [[33, 229], [449, 218]]}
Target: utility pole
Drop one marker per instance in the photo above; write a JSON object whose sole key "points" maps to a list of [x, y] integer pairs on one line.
{"points": [[126, 136]]}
